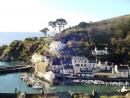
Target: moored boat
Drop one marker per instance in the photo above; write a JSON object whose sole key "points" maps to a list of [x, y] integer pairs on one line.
{"points": [[37, 85]]}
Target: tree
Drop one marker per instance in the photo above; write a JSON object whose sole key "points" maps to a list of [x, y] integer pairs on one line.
{"points": [[83, 25], [114, 41], [60, 23], [118, 34], [124, 26], [45, 30], [53, 25], [127, 40]]}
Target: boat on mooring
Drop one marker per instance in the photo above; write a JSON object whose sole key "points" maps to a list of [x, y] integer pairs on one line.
{"points": [[37, 85]]}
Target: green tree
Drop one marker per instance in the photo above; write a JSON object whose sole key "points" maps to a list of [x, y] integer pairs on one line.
{"points": [[114, 41], [53, 25], [83, 24], [44, 31], [14, 43], [124, 26], [127, 40], [60, 23], [119, 34]]}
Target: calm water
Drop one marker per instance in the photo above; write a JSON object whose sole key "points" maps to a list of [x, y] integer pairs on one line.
{"points": [[8, 83]]}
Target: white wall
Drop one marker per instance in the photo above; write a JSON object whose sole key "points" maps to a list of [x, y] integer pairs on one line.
{"points": [[82, 64], [56, 46]]}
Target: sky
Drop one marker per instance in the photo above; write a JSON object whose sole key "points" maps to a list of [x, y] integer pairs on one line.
{"points": [[33, 15]]}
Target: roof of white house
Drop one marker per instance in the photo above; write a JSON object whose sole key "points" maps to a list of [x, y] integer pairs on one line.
{"points": [[57, 45], [37, 57]]}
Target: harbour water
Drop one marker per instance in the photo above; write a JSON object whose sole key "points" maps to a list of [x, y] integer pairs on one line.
{"points": [[9, 82], [12, 81]]}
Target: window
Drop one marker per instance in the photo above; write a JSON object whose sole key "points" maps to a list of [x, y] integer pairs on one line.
{"points": [[85, 65], [81, 61], [77, 65], [75, 61], [93, 65], [80, 69]]}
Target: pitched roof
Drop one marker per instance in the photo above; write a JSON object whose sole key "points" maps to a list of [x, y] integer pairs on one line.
{"points": [[66, 62], [56, 61]]}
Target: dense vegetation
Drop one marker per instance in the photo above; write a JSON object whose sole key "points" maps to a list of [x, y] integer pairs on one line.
{"points": [[113, 33], [22, 50]]}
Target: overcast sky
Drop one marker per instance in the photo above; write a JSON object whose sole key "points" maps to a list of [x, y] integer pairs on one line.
{"points": [[33, 15]]}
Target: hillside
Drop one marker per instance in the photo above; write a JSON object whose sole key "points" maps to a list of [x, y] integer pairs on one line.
{"points": [[23, 50], [113, 33], [118, 27]]}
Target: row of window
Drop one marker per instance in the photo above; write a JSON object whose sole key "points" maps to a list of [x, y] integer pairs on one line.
{"points": [[84, 65], [77, 61]]}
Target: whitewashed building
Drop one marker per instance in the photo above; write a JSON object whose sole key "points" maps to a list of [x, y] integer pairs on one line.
{"points": [[81, 63], [100, 52], [103, 66], [120, 71], [37, 58], [56, 46], [41, 64]]}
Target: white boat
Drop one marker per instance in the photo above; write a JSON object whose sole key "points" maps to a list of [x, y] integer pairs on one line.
{"points": [[24, 76], [52, 88], [37, 86], [124, 89], [31, 82], [48, 76]]}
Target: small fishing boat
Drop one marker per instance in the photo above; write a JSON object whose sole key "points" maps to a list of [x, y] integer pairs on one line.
{"points": [[37, 85]]}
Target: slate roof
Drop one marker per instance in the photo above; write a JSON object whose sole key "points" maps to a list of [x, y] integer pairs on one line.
{"points": [[56, 61], [66, 62]]}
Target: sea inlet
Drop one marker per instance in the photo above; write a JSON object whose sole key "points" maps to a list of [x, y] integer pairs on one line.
{"points": [[11, 81]]}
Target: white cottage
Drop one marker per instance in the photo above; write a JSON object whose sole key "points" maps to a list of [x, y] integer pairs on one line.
{"points": [[103, 66], [37, 58], [56, 46], [100, 52]]}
